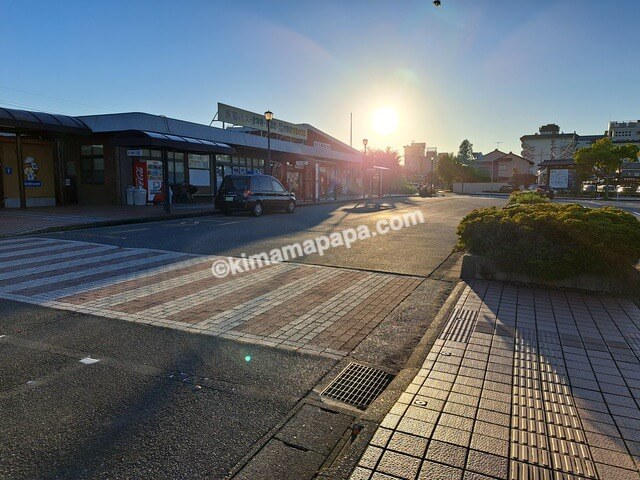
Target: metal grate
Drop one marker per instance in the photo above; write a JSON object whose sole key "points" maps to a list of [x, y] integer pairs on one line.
{"points": [[358, 385], [460, 325]]}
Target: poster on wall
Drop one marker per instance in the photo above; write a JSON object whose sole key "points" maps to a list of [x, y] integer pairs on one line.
{"points": [[154, 179], [559, 178], [30, 169]]}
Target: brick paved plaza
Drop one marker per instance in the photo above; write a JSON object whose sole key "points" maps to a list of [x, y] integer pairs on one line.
{"points": [[522, 384], [320, 310]]}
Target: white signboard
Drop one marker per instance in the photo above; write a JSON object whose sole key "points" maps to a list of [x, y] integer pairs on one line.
{"points": [[237, 116], [134, 153], [326, 146], [559, 178]]}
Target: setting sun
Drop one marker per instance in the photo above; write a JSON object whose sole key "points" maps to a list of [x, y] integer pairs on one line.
{"points": [[385, 121]]}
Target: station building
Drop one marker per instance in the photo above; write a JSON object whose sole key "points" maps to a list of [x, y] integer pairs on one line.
{"points": [[50, 159]]}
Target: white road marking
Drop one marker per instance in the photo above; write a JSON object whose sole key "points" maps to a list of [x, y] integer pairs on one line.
{"points": [[89, 360]]}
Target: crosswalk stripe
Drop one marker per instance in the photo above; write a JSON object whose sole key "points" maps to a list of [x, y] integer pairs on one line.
{"points": [[232, 317], [68, 264], [78, 275], [6, 246], [184, 303], [70, 253], [229, 319], [30, 249], [147, 270], [155, 288]]}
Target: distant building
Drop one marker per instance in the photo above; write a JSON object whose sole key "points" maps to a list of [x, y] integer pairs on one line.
{"points": [[414, 155], [548, 144], [552, 151], [624, 132], [503, 165], [419, 159]]}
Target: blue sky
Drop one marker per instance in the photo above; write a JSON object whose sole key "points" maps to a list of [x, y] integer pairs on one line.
{"points": [[487, 70]]}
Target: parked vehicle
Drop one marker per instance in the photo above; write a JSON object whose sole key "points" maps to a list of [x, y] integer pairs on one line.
{"points": [[638, 189], [624, 190], [545, 190], [506, 189], [255, 194], [589, 188], [610, 188]]}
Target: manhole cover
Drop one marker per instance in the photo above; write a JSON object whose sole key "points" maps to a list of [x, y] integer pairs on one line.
{"points": [[358, 385]]}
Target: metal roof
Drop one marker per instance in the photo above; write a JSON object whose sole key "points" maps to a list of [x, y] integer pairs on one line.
{"points": [[140, 138], [119, 122], [23, 120]]}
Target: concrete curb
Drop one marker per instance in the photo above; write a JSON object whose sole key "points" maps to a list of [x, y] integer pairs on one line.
{"points": [[112, 223]]}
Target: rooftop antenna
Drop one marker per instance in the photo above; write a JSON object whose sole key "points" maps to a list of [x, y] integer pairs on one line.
{"points": [[497, 145]]}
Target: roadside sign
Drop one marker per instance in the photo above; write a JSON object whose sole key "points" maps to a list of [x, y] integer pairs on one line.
{"points": [[134, 152]]}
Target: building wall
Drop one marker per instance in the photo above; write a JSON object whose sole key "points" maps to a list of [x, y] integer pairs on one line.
{"points": [[40, 189]]}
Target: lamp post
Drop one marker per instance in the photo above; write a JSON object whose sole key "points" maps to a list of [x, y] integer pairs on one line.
{"points": [[268, 116], [364, 142]]}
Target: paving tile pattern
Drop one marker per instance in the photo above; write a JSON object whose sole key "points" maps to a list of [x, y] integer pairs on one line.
{"points": [[320, 310], [522, 384]]}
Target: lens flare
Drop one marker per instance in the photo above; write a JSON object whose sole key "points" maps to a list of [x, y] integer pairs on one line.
{"points": [[385, 121]]}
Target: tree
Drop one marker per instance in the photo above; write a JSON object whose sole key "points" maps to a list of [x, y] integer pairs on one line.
{"points": [[384, 158], [604, 159], [447, 169], [521, 179], [465, 153], [450, 170]]}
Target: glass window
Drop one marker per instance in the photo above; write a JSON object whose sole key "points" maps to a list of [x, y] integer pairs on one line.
{"points": [[277, 187], [155, 153], [92, 164], [264, 184], [223, 159]]}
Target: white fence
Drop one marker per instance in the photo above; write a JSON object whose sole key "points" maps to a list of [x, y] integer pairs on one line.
{"points": [[477, 187]]}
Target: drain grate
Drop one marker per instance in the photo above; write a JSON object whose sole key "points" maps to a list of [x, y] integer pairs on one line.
{"points": [[358, 385], [460, 325]]}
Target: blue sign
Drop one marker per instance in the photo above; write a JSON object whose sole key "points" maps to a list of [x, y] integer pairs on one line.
{"points": [[32, 183], [8, 170]]}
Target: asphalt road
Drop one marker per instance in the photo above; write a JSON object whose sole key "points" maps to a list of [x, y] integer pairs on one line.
{"points": [[162, 403], [416, 250]]}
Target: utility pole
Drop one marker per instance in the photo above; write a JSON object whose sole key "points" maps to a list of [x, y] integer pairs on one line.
{"points": [[497, 147]]}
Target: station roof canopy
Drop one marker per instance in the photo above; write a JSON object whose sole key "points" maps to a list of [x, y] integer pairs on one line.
{"points": [[141, 138], [12, 120]]}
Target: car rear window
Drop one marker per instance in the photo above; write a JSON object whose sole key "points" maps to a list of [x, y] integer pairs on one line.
{"points": [[234, 184], [261, 184]]}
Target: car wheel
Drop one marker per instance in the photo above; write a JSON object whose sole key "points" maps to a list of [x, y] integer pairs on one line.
{"points": [[257, 209], [291, 206]]}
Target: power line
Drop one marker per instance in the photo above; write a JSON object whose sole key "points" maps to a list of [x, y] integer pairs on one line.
{"points": [[55, 98], [23, 105]]}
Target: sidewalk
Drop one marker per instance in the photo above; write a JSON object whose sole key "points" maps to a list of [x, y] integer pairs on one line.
{"points": [[523, 383], [33, 220]]}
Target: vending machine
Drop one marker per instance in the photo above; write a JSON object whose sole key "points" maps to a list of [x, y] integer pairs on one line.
{"points": [[148, 175]]}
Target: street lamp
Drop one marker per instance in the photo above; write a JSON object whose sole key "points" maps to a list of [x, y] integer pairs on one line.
{"points": [[268, 116], [364, 142]]}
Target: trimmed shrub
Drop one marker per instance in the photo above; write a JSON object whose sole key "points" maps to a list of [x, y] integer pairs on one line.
{"points": [[402, 186], [553, 241], [526, 197]]}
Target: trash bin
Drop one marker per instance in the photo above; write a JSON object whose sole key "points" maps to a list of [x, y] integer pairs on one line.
{"points": [[140, 196], [130, 199]]}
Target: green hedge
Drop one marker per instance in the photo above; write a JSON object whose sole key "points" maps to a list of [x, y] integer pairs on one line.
{"points": [[526, 197], [552, 240]]}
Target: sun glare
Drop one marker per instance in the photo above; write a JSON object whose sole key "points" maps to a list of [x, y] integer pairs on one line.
{"points": [[385, 121]]}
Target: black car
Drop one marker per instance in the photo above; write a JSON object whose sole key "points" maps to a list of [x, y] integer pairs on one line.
{"points": [[253, 193]]}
